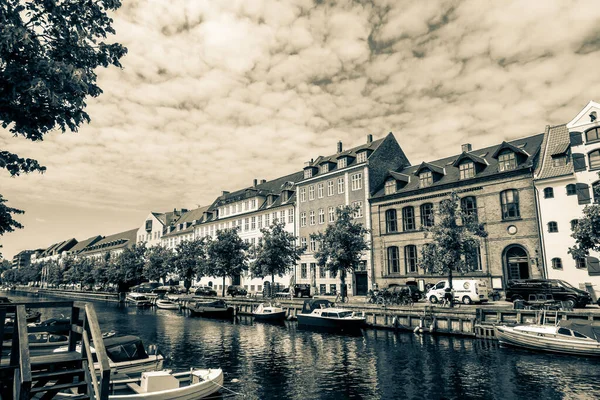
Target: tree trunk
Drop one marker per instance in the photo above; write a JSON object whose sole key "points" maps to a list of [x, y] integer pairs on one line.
{"points": [[343, 286], [272, 285], [451, 304], [223, 291]]}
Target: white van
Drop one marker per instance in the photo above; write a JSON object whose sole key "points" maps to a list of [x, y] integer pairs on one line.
{"points": [[465, 290]]}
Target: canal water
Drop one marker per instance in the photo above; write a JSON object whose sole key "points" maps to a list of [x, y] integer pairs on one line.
{"points": [[265, 361]]}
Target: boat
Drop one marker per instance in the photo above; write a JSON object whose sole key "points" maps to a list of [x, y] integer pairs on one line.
{"points": [[214, 308], [321, 313], [138, 299], [268, 313], [167, 304], [127, 355], [579, 337], [166, 385]]}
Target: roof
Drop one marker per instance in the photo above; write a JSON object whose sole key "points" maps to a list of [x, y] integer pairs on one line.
{"points": [[80, 246], [556, 139], [196, 214], [350, 152], [529, 145], [432, 167], [469, 156], [120, 340], [112, 242], [399, 177]]}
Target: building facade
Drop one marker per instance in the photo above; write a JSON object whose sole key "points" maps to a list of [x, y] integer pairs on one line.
{"points": [[565, 184], [22, 259], [495, 185], [346, 178]]}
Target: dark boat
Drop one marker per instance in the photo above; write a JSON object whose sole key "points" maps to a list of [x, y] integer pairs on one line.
{"points": [[268, 313], [321, 313], [214, 308]]}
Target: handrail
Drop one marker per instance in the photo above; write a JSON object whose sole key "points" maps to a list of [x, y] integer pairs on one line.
{"points": [[91, 367], [94, 329], [24, 361]]}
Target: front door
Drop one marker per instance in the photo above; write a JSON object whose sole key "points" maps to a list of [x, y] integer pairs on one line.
{"points": [[361, 282], [517, 263]]}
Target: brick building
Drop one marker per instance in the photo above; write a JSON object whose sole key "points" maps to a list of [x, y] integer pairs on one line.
{"points": [[495, 183], [347, 177]]}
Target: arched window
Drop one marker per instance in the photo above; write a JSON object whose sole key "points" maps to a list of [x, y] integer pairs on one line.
{"points": [[426, 215], [574, 223], [468, 206], [594, 159], [509, 200], [571, 190], [393, 257], [592, 135], [556, 263], [410, 258], [507, 160], [548, 193], [391, 221], [552, 227], [408, 219]]}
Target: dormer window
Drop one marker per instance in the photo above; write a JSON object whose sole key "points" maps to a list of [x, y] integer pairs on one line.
{"points": [[308, 173], [467, 170], [284, 196], [361, 157], [390, 186], [425, 179], [506, 161], [325, 168], [342, 163]]}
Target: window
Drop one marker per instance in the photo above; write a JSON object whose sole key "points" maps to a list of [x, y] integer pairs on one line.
{"points": [[341, 185], [313, 244], [325, 168], [473, 260], [247, 224], [571, 190], [322, 275], [408, 219], [330, 188], [260, 220], [556, 263], [468, 206], [303, 195], [320, 190], [391, 221], [302, 219], [390, 186], [303, 272], [425, 179], [342, 163], [410, 258], [594, 159], [506, 161], [282, 216], [559, 161], [393, 260], [548, 193], [361, 157], [312, 217], [580, 263], [356, 180], [574, 223], [426, 215], [321, 216], [552, 227], [268, 222], [253, 223], [358, 212], [311, 192], [509, 200], [467, 170], [308, 173], [592, 135], [291, 215], [303, 242], [331, 214]]}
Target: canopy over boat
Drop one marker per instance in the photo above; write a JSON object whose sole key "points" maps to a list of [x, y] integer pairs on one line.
{"points": [[313, 304], [587, 328]]}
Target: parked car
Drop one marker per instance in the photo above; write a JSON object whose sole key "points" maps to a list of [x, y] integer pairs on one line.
{"points": [[415, 293], [205, 291], [547, 289], [235, 290], [301, 290], [466, 291], [146, 287]]}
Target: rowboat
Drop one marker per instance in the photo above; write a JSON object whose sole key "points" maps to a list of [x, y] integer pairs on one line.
{"points": [[567, 337], [268, 313], [166, 304]]}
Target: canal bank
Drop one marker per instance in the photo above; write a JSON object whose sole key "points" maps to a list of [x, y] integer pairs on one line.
{"points": [[472, 321]]}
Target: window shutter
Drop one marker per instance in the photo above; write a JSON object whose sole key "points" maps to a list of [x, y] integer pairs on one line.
{"points": [[576, 138], [583, 193], [579, 162], [593, 266]]}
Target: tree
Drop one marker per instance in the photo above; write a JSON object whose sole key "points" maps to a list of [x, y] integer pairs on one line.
{"points": [[54, 272], [189, 260], [100, 270], [158, 263], [276, 254], [587, 231], [342, 245], [48, 53], [455, 240], [128, 268], [226, 255]]}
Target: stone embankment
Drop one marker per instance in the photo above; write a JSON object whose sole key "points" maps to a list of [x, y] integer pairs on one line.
{"points": [[475, 321]]}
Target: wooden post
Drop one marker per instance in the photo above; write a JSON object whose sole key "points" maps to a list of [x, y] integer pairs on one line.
{"points": [[72, 334]]}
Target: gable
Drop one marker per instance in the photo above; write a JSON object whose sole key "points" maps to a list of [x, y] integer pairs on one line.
{"points": [[582, 121]]}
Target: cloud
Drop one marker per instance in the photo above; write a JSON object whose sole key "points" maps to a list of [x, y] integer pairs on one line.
{"points": [[215, 94]]}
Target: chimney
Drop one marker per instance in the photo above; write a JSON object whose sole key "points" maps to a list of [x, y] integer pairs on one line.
{"points": [[466, 147], [339, 147], [369, 139], [224, 192], [255, 182], [263, 181]]}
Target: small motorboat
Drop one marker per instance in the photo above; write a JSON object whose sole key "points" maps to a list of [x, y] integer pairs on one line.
{"points": [[167, 304], [320, 313], [268, 313], [138, 299], [215, 308], [567, 337]]}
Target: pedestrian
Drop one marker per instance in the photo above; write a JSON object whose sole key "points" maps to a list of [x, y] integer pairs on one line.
{"points": [[448, 296]]}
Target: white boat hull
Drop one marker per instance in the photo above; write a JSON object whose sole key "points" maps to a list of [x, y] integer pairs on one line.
{"points": [[546, 342], [167, 305]]}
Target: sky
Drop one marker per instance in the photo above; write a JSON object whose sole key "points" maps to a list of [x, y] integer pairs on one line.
{"points": [[216, 93]]}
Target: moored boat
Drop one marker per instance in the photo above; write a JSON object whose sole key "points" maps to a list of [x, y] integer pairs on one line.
{"points": [[167, 304], [568, 337], [138, 299], [321, 313], [268, 313], [215, 308]]}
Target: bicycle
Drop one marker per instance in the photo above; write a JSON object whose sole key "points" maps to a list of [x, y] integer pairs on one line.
{"points": [[339, 298]]}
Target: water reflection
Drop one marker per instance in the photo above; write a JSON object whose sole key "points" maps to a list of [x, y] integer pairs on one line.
{"points": [[281, 361]]}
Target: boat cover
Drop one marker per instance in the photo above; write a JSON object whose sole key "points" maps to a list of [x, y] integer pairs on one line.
{"points": [[587, 328], [313, 304]]}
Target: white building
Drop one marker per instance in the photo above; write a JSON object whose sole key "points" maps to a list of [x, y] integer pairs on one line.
{"points": [[155, 225], [565, 182]]}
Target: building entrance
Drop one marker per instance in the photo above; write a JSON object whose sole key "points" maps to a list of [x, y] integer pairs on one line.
{"points": [[517, 263]]}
